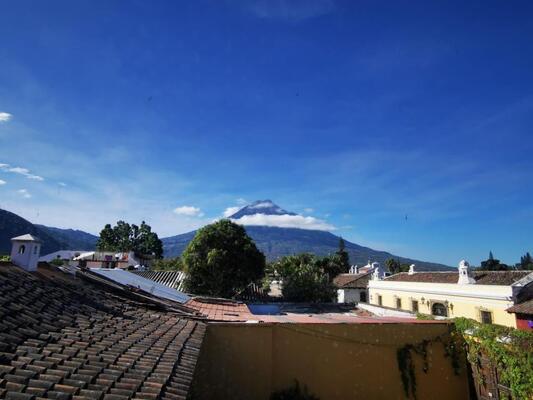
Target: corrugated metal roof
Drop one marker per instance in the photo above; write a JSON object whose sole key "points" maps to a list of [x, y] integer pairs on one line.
{"points": [[172, 279], [155, 288]]}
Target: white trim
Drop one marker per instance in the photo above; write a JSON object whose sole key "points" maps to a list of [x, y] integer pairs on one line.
{"points": [[444, 292]]}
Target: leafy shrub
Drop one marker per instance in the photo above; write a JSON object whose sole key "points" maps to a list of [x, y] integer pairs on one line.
{"points": [[305, 278]]}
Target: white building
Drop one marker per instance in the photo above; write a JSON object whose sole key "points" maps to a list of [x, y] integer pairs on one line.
{"points": [[481, 295], [109, 259], [352, 288], [25, 251], [64, 255]]}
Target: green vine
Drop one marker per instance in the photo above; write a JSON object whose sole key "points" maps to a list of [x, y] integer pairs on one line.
{"points": [[453, 348], [509, 350]]}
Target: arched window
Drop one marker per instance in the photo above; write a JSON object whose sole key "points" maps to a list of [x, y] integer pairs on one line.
{"points": [[439, 310], [22, 249]]}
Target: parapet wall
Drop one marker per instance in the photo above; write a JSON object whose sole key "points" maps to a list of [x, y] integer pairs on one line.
{"points": [[334, 361]]}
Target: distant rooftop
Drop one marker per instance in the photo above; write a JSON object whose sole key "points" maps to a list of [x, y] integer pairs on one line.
{"points": [[27, 238], [503, 278]]}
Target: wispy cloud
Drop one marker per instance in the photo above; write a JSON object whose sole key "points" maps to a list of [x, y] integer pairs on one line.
{"points": [[62, 184], [228, 212], [2, 182], [5, 116], [21, 171], [189, 211], [290, 10], [309, 210], [285, 221], [24, 193]]}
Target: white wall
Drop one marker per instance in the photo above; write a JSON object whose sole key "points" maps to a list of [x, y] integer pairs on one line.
{"points": [[29, 258]]}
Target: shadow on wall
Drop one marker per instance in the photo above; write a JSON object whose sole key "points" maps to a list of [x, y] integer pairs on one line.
{"points": [[334, 361]]}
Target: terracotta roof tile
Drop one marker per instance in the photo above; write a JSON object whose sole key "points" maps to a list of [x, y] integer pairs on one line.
{"points": [[352, 281], [503, 278], [65, 338], [525, 307]]}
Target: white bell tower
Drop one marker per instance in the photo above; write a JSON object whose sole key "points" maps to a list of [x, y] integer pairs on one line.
{"points": [[464, 277], [25, 251]]}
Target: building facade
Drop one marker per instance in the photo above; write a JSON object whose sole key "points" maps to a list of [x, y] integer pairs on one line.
{"points": [[352, 288], [484, 296]]}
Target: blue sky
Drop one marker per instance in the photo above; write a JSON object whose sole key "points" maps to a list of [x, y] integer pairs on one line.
{"points": [[355, 113]]}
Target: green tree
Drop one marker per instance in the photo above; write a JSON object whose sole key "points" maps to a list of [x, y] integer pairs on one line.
{"points": [[125, 237], [526, 262], [493, 264], [107, 241], [343, 257], [222, 260], [394, 266], [167, 264], [145, 241], [304, 278]]}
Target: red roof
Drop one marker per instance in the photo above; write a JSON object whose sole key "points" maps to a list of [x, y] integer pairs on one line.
{"points": [[351, 281], [504, 278]]}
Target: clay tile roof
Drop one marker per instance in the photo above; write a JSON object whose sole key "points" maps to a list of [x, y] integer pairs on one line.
{"points": [[351, 281], [523, 308], [503, 278], [64, 337]]}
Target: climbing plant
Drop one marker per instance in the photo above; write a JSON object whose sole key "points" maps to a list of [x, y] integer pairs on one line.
{"points": [[453, 349], [510, 350]]}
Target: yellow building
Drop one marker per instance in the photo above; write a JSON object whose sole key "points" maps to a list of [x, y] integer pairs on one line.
{"points": [[480, 295]]}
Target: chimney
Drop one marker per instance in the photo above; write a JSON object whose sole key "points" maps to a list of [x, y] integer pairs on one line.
{"points": [[464, 277], [411, 269], [25, 251]]}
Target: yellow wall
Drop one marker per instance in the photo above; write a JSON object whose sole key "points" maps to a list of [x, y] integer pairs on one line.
{"points": [[335, 361], [462, 306]]}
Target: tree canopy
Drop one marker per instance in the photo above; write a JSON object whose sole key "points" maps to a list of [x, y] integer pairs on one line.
{"points": [[306, 277], [493, 264], [125, 237], [343, 258], [222, 260], [394, 266], [167, 264], [526, 262]]}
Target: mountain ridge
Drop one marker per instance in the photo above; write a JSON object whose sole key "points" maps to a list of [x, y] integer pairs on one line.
{"points": [[276, 242]]}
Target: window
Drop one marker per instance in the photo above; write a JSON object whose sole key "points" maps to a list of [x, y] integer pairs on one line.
{"points": [[398, 303], [362, 297], [439, 310], [486, 317], [380, 300], [35, 249], [22, 249], [414, 305]]}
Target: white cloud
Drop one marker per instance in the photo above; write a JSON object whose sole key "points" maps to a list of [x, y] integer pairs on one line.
{"points": [[285, 221], [228, 212], [21, 171], [62, 184], [24, 193], [309, 210], [4, 116], [189, 211], [241, 201], [2, 182]]}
